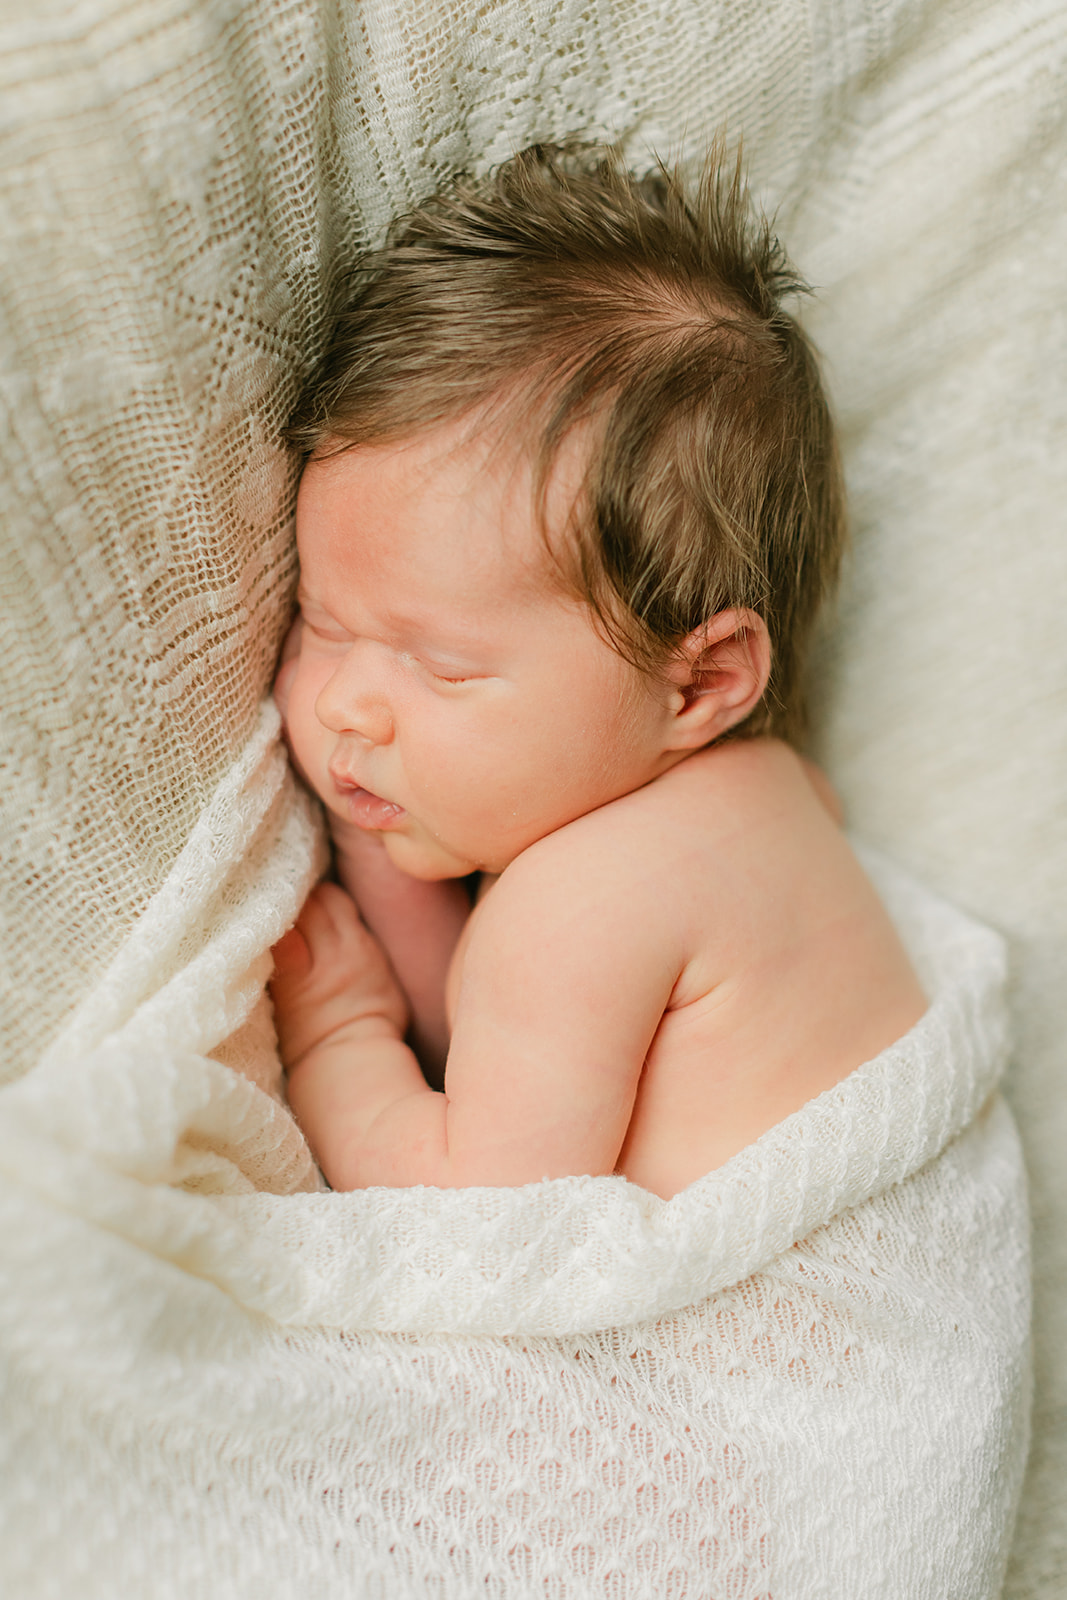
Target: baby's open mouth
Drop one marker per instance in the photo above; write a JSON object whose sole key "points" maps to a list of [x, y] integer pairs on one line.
{"points": [[369, 810]]}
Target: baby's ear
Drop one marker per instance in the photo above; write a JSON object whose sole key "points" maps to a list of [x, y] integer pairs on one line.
{"points": [[718, 673]]}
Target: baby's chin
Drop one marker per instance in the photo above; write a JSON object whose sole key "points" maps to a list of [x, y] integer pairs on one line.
{"points": [[426, 858]]}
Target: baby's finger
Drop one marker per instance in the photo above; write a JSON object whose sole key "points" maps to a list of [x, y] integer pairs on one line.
{"points": [[291, 955], [318, 923], [338, 906], [331, 925]]}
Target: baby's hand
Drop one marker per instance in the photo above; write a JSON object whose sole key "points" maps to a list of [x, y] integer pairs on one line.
{"points": [[331, 979]]}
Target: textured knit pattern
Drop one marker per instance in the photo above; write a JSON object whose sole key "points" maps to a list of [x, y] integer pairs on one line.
{"points": [[180, 187]]}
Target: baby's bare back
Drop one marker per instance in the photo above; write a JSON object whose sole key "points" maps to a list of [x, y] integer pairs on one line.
{"points": [[669, 976]]}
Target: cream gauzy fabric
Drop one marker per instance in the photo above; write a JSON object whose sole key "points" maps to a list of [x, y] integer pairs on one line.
{"points": [[180, 185]]}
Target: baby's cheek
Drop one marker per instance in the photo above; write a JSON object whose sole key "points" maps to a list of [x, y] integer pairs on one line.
{"points": [[305, 734]]}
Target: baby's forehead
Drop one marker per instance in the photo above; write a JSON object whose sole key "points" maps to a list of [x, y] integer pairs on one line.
{"points": [[461, 502], [493, 460]]}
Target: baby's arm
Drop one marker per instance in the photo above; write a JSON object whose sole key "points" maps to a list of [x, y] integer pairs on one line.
{"points": [[418, 924], [561, 994]]}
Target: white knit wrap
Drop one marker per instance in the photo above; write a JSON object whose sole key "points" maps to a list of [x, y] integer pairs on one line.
{"points": [[805, 1376]]}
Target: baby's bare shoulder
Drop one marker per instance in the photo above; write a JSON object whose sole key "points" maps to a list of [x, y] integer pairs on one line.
{"points": [[721, 802], [701, 824]]}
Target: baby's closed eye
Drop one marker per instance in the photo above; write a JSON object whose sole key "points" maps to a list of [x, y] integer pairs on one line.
{"points": [[441, 671], [453, 677], [322, 625]]}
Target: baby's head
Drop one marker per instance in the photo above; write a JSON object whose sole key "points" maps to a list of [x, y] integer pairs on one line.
{"points": [[567, 405]]}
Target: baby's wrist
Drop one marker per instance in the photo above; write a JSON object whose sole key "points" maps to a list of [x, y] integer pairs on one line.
{"points": [[350, 1037]]}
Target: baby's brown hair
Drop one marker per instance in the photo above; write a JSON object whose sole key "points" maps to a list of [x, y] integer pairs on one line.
{"points": [[575, 293]]}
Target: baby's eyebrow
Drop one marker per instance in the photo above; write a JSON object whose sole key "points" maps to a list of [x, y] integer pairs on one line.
{"points": [[410, 631], [410, 625]]}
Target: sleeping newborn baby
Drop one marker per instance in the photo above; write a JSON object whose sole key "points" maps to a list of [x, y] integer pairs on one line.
{"points": [[571, 502]]}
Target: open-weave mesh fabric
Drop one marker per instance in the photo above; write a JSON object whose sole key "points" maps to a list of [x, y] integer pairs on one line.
{"points": [[180, 185]]}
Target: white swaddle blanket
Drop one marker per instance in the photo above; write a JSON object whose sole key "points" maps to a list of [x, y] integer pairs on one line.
{"points": [[806, 1375]]}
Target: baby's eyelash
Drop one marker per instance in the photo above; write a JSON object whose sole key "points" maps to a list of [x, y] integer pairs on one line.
{"points": [[437, 676]]}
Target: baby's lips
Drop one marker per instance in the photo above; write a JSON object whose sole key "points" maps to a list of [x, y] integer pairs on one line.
{"points": [[369, 810]]}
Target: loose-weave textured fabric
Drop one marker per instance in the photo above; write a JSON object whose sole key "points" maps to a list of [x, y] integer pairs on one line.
{"points": [[180, 186]]}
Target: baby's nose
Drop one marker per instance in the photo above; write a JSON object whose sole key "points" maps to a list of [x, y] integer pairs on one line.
{"points": [[350, 703]]}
